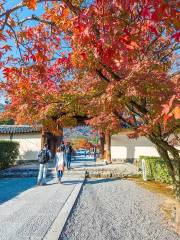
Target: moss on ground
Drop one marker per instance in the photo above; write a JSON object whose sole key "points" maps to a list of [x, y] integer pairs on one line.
{"points": [[170, 206], [158, 187]]}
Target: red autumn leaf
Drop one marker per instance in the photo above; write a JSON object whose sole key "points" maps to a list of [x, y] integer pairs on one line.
{"points": [[176, 36], [2, 36], [7, 47], [154, 17], [31, 4], [176, 112], [145, 12], [153, 29], [33, 58]]}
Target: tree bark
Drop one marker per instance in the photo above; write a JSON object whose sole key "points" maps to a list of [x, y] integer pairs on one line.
{"points": [[172, 159], [43, 137], [108, 146], [102, 142]]}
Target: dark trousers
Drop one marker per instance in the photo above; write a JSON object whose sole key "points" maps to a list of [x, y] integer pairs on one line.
{"points": [[59, 174], [68, 160]]}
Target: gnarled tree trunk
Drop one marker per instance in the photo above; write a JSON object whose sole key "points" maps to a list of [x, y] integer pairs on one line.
{"points": [[172, 159]]}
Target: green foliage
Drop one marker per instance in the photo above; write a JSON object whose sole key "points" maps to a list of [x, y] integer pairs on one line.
{"points": [[7, 122], [94, 140], [156, 169], [9, 151]]}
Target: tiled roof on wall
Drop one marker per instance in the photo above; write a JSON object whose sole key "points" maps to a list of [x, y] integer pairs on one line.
{"points": [[18, 129], [79, 131]]}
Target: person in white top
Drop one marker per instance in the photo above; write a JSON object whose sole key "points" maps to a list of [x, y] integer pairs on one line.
{"points": [[59, 159]]}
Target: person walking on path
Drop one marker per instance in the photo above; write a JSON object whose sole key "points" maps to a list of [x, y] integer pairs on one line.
{"points": [[59, 159], [68, 152], [63, 146], [43, 157]]}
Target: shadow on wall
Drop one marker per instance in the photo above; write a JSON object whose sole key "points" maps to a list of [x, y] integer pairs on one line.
{"points": [[28, 155], [12, 187]]}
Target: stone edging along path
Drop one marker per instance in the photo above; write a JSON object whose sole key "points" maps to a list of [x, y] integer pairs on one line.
{"points": [[57, 226]]}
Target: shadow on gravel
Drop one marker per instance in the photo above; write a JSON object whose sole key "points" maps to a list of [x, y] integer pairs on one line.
{"points": [[102, 180], [71, 182], [12, 187], [86, 166]]}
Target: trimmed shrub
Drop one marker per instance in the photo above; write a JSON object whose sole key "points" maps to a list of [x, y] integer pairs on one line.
{"points": [[9, 151], [156, 169]]}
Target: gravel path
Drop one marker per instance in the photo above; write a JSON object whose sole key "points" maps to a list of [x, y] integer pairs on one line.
{"points": [[117, 210]]}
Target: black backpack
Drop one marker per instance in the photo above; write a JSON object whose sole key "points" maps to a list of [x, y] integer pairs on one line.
{"points": [[68, 150], [62, 147], [44, 156]]}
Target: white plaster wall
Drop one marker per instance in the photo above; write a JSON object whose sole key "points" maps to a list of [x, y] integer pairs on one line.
{"points": [[122, 147], [4, 137], [30, 144]]}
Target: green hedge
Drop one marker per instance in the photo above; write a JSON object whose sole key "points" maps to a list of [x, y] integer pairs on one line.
{"points": [[9, 151], [156, 169]]}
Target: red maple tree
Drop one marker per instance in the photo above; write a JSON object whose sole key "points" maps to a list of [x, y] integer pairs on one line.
{"points": [[115, 69]]}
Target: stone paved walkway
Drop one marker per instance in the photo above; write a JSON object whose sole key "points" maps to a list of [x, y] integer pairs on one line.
{"points": [[27, 211]]}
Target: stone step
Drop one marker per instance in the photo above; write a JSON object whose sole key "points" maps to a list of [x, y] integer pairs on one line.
{"points": [[111, 174]]}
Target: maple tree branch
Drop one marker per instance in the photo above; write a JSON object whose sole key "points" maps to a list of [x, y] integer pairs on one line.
{"points": [[171, 131], [8, 12], [174, 48], [120, 117], [35, 18], [131, 108], [101, 75], [22, 4], [153, 41], [136, 113], [139, 107], [13, 9], [113, 74], [73, 8], [5, 22]]}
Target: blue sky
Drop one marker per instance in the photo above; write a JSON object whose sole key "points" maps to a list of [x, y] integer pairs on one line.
{"points": [[26, 13], [22, 14]]}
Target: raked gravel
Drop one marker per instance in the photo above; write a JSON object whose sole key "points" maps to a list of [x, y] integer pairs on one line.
{"points": [[117, 210]]}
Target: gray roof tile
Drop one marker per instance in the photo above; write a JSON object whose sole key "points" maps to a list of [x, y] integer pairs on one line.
{"points": [[18, 129]]}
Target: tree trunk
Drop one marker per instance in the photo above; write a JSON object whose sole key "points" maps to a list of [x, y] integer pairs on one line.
{"points": [[172, 162], [43, 137], [58, 139], [108, 147], [55, 140], [173, 168], [102, 142]]}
